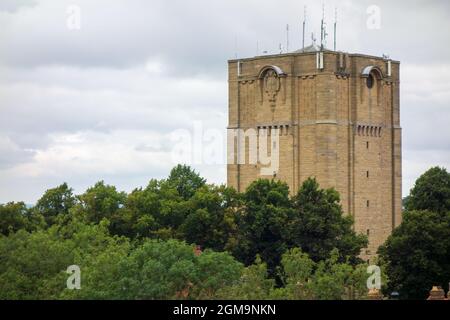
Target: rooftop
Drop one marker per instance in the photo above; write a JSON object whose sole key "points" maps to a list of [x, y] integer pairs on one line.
{"points": [[312, 48]]}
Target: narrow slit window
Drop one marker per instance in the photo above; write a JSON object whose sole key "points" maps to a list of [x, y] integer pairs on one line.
{"points": [[370, 81]]}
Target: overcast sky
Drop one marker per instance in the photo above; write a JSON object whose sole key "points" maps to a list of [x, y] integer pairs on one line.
{"points": [[100, 102]]}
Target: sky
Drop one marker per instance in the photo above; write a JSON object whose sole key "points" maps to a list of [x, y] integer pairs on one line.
{"points": [[97, 90]]}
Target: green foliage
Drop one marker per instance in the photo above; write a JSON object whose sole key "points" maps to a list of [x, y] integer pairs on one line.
{"points": [[139, 217], [55, 202], [262, 223], [253, 284], [331, 278], [33, 264], [326, 280], [157, 270], [431, 191], [211, 220], [269, 223], [297, 270], [160, 211], [141, 245], [185, 180], [15, 216], [417, 254], [101, 201], [320, 226], [303, 280], [215, 271]]}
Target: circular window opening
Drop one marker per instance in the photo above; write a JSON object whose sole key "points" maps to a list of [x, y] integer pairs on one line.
{"points": [[370, 81]]}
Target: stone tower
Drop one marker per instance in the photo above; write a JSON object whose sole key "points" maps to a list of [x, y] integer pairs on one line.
{"points": [[336, 116]]}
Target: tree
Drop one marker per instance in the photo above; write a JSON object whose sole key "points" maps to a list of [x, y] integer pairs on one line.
{"points": [[139, 217], [211, 220], [173, 209], [156, 212], [431, 191], [101, 201], [262, 222], [55, 202], [162, 270], [269, 223], [319, 225], [326, 280], [29, 263], [334, 280], [417, 254], [131, 246], [254, 284], [215, 271], [15, 216], [33, 265], [302, 279], [296, 272], [161, 209], [185, 180]]}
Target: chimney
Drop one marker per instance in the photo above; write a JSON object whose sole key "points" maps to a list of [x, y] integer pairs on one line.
{"points": [[437, 293], [374, 294]]}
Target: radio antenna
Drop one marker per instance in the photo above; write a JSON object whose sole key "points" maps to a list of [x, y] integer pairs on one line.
{"points": [[322, 27], [287, 38], [304, 28], [335, 27]]}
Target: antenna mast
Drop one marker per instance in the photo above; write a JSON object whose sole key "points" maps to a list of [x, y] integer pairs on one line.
{"points": [[287, 38], [304, 27], [322, 27], [335, 26]]}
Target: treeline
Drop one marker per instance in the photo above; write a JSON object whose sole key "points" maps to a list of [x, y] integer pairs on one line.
{"points": [[183, 238]]}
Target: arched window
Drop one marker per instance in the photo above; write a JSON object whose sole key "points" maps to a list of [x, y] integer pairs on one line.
{"points": [[373, 71], [372, 74], [369, 81]]}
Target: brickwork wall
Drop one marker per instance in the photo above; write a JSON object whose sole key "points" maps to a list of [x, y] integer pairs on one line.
{"points": [[333, 128]]}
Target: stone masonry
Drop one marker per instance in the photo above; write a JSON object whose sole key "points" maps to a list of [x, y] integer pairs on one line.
{"points": [[337, 116]]}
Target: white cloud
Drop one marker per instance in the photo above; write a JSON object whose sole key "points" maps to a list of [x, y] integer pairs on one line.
{"points": [[425, 113], [426, 83], [94, 153]]}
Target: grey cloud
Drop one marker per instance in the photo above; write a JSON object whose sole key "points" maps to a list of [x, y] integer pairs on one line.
{"points": [[140, 67], [71, 100], [13, 6], [193, 37], [11, 154], [430, 132]]}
